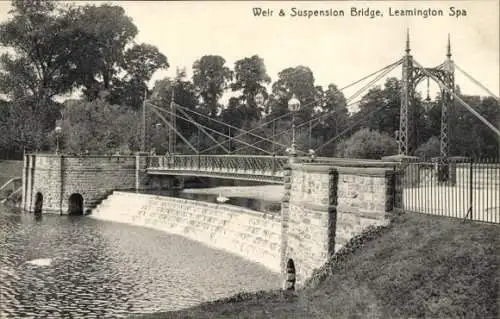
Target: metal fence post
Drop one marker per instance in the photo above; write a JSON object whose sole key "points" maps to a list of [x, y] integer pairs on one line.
{"points": [[470, 188]]}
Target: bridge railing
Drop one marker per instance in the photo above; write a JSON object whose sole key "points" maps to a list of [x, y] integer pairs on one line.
{"points": [[250, 162], [255, 163]]}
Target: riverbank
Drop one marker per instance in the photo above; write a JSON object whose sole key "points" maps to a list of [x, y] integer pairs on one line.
{"points": [[418, 266]]}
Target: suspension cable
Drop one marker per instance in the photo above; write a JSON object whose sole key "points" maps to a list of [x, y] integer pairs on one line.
{"points": [[203, 130], [244, 132], [175, 130], [459, 99], [208, 128], [477, 83], [333, 139], [300, 125], [228, 125], [371, 74], [392, 66], [381, 75]]}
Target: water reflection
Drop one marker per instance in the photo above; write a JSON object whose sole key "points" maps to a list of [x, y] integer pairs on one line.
{"points": [[106, 270]]}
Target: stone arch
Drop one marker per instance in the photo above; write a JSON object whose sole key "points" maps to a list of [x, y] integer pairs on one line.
{"points": [[290, 275], [38, 203], [75, 204]]}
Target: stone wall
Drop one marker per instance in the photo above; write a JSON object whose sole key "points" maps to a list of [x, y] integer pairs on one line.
{"points": [[309, 219], [365, 195], [57, 177], [253, 235], [325, 206]]}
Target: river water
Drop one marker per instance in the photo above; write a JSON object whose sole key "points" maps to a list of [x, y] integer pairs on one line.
{"points": [[265, 205], [96, 269]]}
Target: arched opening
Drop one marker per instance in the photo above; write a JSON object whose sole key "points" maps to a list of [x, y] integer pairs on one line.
{"points": [[75, 204], [38, 203], [290, 275]]}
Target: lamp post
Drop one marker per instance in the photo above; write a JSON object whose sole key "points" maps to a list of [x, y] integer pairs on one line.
{"points": [[58, 130], [427, 102], [259, 100], [293, 106]]}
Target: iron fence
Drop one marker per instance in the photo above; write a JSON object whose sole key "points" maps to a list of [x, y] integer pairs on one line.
{"points": [[468, 189]]}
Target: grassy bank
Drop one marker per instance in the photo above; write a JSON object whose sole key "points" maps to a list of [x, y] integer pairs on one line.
{"points": [[419, 266], [10, 169]]}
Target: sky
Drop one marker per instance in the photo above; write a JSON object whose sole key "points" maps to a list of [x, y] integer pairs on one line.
{"points": [[339, 50]]}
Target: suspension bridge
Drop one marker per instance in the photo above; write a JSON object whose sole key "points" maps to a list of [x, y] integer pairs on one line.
{"points": [[241, 162]]}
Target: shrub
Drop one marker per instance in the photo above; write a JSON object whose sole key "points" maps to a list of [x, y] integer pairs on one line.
{"points": [[431, 148], [98, 127], [367, 144]]}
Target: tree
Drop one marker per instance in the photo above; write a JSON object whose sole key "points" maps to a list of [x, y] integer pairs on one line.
{"points": [[468, 135], [250, 76], [185, 97], [388, 99], [211, 78], [104, 62], [58, 49], [367, 144], [5, 145], [298, 81], [29, 125], [55, 49], [429, 149], [333, 116], [40, 67], [140, 62], [107, 30], [98, 127]]}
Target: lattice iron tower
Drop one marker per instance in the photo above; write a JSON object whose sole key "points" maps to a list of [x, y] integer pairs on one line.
{"points": [[444, 74]]}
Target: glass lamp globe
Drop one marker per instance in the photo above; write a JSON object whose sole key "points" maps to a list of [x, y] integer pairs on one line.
{"points": [[293, 104]]}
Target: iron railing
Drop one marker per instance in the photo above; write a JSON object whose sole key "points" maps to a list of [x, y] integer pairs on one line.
{"points": [[229, 163], [470, 189]]}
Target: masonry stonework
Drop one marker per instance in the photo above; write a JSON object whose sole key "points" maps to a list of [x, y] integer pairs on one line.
{"points": [[57, 177], [327, 206]]}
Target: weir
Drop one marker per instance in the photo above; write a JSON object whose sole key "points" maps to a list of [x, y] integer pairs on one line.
{"points": [[324, 205]]}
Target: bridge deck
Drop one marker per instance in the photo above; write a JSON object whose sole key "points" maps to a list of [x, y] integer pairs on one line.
{"points": [[259, 168], [255, 168]]}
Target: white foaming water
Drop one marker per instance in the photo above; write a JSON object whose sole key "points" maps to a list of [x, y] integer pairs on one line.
{"points": [[40, 262]]}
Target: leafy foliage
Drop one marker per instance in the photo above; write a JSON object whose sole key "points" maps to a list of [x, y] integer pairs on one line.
{"points": [[388, 98], [429, 149], [211, 77], [56, 49], [250, 76], [98, 127], [367, 144], [41, 64]]}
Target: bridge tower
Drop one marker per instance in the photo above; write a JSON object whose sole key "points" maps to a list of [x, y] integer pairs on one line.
{"points": [[412, 74], [406, 118]]}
